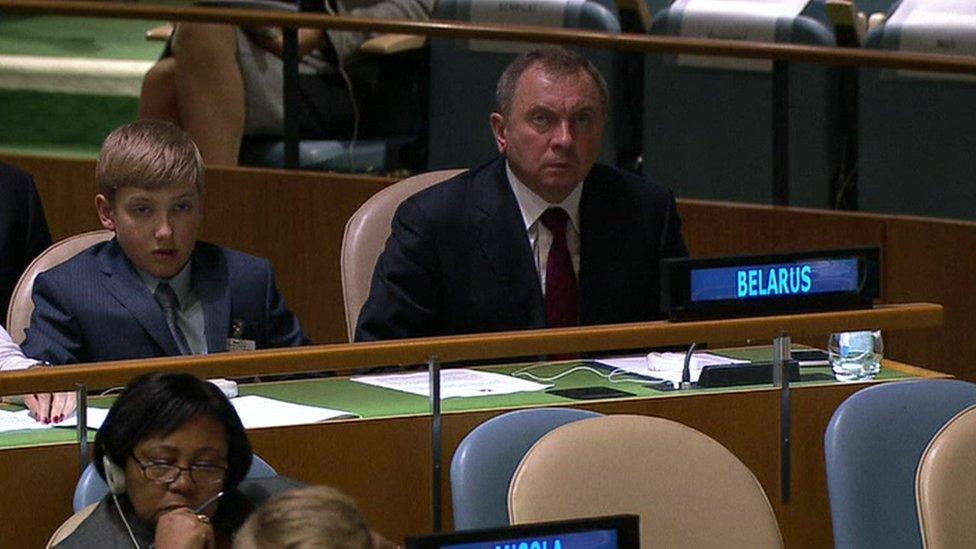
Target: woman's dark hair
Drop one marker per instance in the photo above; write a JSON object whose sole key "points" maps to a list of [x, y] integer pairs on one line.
{"points": [[157, 405]]}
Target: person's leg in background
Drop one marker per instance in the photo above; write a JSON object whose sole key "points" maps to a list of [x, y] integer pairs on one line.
{"points": [[157, 100], [200, 87]]}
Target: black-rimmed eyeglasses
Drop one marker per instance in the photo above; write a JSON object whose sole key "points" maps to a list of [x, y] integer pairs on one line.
{"points": [[166, 473]]}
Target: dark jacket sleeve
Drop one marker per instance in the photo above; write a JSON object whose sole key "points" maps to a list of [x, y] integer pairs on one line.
{"points": [[53, 335], [282, 328], [672, 241], [405, 295], [23, 230]]}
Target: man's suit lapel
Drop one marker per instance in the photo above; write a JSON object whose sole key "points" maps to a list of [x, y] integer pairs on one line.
{"points": [[123, 282], [503, 238], [210, 282], [600, 232]]}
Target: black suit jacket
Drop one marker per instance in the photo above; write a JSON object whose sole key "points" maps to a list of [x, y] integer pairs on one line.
{"points": [[23, 230], [458, 259]]}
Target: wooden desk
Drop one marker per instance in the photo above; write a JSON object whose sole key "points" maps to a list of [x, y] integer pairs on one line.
{"points": [[384, 462]]}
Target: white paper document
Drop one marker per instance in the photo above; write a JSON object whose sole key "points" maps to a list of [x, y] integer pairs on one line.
{"points": [[21, 420], [458, 383], [258, 411], [18, 421], [94, 419], [668, 366]]}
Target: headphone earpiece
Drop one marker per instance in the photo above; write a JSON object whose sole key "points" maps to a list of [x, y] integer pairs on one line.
{"points": [[114, 476]]}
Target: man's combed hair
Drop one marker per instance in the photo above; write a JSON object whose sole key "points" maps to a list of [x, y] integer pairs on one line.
{"points": [[148, 154], [553, 61], [316, 517]]}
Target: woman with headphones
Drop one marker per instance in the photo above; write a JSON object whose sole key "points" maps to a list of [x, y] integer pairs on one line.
{"points": [[172, 451]]}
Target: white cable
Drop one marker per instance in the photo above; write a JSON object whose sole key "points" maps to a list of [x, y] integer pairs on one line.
{"points": [[352, 97], [111, 390], [125, 522], [526, 372]]}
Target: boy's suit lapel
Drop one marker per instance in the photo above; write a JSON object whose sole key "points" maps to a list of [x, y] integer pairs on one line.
{"points": [[123, 282], [211, 284]]}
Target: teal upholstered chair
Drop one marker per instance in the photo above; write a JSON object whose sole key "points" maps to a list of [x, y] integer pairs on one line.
{"points": [[873, 445], [486, 459]]}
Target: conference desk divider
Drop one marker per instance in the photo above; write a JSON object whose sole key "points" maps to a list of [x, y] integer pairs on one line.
{"points": [[388, 458]]}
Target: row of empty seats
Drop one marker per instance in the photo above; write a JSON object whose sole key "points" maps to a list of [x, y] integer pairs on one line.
{"points": [[703, 126], [898, 457]]}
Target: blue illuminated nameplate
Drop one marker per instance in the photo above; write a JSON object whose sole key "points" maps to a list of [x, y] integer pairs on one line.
{"points": [[593, 539], [799, 278]]}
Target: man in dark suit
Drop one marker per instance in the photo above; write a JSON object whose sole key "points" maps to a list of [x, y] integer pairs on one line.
{"points": [[153, 290], [23, 230], [540, 237]]}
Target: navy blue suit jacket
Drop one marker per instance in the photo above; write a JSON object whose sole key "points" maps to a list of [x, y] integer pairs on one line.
{"points": [[458, 259], [23, 229], [95, 307]]}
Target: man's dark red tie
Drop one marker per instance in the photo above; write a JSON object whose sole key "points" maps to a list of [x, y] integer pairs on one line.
{"points": [[562, 302]]}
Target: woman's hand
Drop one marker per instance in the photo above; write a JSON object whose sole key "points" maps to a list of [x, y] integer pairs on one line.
{"points": [[181, 529], [50, 407]]}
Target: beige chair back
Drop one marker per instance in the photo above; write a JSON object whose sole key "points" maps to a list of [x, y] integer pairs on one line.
{"points": [[69, 526], [688, 489], [21, 304], [945, 485], [366, 234]]}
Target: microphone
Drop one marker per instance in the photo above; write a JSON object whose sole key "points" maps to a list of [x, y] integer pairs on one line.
{"points": [[686, 371]]}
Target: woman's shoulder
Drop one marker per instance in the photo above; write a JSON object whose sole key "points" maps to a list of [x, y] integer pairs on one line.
{"points": [[97, 525]]}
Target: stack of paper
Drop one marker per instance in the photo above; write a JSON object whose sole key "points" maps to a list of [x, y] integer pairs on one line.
{"points": [[668, 366], [258, 411], [456, 383], [21, 420], [254, 411]]}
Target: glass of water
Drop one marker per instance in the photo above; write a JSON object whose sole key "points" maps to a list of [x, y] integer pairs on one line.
{"points": [[855, 356]]}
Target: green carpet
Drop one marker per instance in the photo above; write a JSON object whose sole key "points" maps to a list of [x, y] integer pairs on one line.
{"points": [[44, 119], [65, 82], [85, 37]]}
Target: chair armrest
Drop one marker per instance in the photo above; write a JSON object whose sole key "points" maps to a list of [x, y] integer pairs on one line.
{"points": [[876, 20], [164, 32], [160, 33], [387, 44]]}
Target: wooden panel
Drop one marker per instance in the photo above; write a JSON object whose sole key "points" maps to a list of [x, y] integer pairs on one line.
{"points": [[297, 220], [384, 464], [717, 228], [36, 489], [935, 259]]}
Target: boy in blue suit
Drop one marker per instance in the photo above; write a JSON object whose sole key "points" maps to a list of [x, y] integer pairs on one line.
{"points": [[154, 290]]}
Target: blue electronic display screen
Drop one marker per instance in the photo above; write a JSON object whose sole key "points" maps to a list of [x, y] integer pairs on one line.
{"points": [[593, 539], [799, 278]]}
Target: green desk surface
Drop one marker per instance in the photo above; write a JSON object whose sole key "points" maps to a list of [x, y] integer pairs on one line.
{"points": [[373, 402]]}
